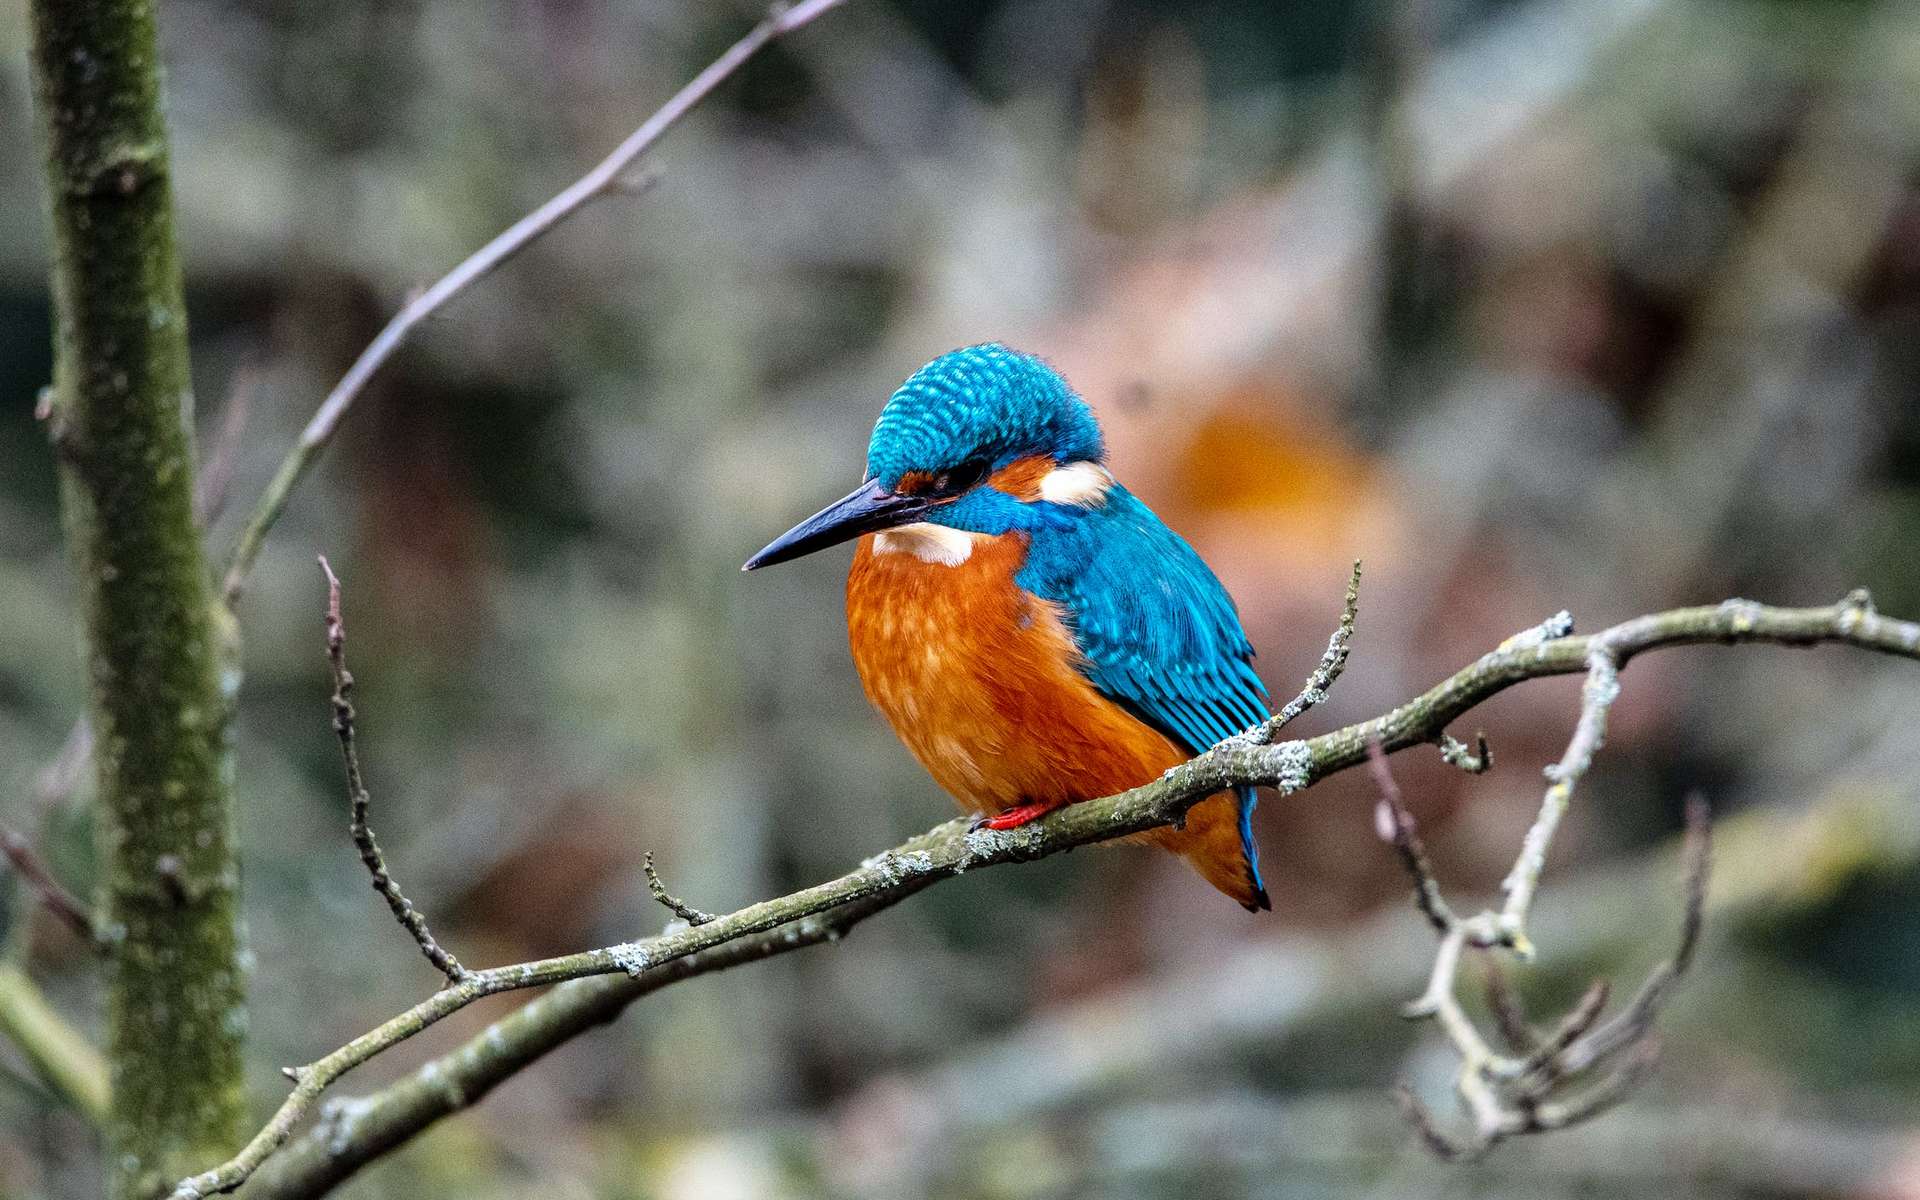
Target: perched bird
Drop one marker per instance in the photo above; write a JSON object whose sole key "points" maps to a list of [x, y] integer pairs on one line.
{"points": [[1032, 632]]}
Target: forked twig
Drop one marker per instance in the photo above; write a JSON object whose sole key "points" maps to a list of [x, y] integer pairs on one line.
{"points": [[1528, 1089]]}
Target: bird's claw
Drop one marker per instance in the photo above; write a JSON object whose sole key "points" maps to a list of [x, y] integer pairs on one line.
{"points": [[1012, 818]]}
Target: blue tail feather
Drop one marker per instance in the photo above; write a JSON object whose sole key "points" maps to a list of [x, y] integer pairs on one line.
{"points": [[1248, 797]]}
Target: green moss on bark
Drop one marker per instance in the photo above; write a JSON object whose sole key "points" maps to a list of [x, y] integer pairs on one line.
{"points": [[120, 414]]}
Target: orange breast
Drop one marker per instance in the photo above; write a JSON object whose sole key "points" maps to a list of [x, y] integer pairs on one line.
{"points": [[977, 677]]}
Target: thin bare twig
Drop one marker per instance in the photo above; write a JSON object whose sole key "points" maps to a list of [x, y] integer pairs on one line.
{"points": [[1636, 1020], [53, 895], [613, 174], [1510, 1018], [1321, 681], [811, 914], [410, 918], [1395, 824], [1546, 1060], [1418, 1115], [679, 908]]}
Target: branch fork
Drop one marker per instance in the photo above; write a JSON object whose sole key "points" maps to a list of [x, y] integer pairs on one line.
{"points": [[1541, 1082]]}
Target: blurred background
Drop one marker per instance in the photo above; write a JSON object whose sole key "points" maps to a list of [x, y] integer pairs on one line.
{"points": [[1608, 305]]}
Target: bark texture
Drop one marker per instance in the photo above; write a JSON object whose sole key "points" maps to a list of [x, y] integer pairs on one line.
{"points": [[119, 415]]}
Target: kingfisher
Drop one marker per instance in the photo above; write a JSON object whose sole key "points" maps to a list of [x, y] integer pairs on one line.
{"points": [[1028, 627]]}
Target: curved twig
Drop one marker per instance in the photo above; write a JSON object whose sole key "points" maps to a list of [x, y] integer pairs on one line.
{"points": [[1395, 824], [612, 174], [1477, 761], [672, 903]]}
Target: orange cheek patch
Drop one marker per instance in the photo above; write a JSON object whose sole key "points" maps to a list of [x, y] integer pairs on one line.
{"points": [[1021, 478]]}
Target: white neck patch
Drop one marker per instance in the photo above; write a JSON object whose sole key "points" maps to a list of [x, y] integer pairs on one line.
{"points": [[1082, 483], [929, 543]]}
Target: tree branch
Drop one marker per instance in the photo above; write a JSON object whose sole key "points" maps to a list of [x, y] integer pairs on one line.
{"points": [[1596, 700], [612, 174], [819, 913], [411, 918], [1395, 824]]}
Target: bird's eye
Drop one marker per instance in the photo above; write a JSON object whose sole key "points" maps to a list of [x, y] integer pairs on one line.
{"points": [[959, 479]]}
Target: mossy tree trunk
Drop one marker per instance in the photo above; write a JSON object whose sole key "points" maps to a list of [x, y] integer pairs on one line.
{"points": [[119, 415]]}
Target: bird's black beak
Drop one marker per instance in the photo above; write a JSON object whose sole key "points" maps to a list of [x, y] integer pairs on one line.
{"points": [[870, 508]]}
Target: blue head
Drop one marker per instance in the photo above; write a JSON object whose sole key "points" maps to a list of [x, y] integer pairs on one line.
{"points": [[984, 405], [942, 436]]}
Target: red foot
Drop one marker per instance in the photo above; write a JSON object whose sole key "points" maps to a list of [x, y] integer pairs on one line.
{"points": [[1015, 817]]}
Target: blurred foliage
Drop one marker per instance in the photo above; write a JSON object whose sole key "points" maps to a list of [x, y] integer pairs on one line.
{"points": [[1530, 303]]}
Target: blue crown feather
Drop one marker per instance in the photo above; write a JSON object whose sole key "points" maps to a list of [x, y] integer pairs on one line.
{"points": [[980, 403]]}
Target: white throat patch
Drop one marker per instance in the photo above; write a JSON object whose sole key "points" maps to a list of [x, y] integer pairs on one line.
{"points": [[928, 543], [1082, 483]]}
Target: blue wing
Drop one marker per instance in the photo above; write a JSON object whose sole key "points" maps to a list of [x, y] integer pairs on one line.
{"points": [[1159, 632]]}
